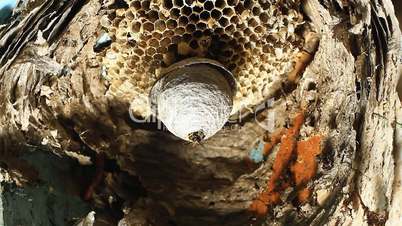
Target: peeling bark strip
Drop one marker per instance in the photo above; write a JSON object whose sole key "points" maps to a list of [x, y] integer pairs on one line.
{"points": [[55, 91]]}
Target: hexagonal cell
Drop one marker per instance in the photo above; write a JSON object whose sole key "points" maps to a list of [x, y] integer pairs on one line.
{"points": [[194, 18], [160, 25], [174, 13], [168, 33], [235, 19], [256, 10], [216, 14], [153, 42], [259, 29], [223, 21], [153, 15], [232, 2], [220, 4], [148, 26], [145, 4], [171, 24], [178, 3], [136, 5], [150, 51], [248, 4], [228, 12], [205, 15], [186, 11], [165, 42], [157, 35], [252, 22], [264, 17], [190, 28], [201, 26], [209, 5], [230, 29], [183, 21], [136, 27], [180, 30], [198, 9], [167, 4]]}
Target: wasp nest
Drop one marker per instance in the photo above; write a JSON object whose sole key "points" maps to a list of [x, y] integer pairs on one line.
{"points": [[256, 40]]}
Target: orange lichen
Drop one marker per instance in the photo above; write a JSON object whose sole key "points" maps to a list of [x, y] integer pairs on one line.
{"points": [[304, 57], [303, 195], [288, 143], [274, 140], [305, 167]]}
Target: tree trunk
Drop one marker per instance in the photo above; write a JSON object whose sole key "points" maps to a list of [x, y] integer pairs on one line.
{"points": [[332, 153]]}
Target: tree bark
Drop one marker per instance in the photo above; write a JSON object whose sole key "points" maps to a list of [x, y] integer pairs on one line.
{"points": [[53, 95]]}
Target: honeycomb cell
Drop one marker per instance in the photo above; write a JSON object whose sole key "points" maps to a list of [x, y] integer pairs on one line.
{"points": [[259, 29], [235, 20], [223, 21], [129, 15], [197, 9], [248, 4], [230, 29], [189, 2], [150, 51], [157, 35], [204, 16], [256, 10], [247, 31], [220, 4], [153, 16], [145, 4], [194, 18], [190, 28], [252, 22], [232, 2], [174, 13], [136, 27], [209, 5], [178, 3], [167, 4], [201, 26], [264, 17], [183, 21], [136, 5], [160, 25], [153, 42], [148, 26], [180, 30], [165, 42], [228, 12], [139, 52], [216, 14], [186, 11], [168, 33], [171, 24]]}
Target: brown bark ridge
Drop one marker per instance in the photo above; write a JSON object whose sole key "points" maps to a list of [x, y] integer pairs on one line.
{"points": [[53, 94]]}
